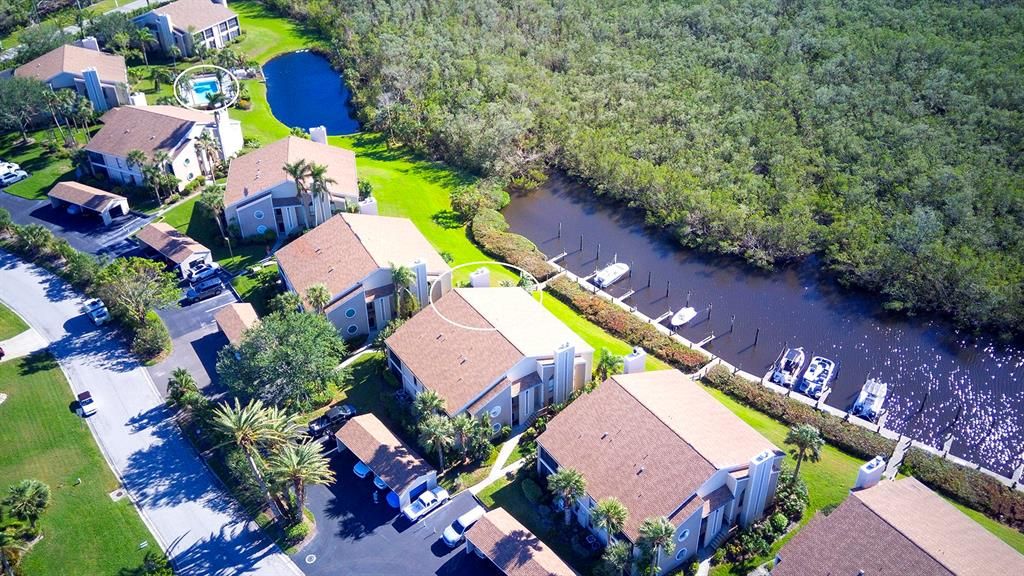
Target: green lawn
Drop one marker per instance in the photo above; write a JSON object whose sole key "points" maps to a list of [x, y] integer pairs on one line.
{"points": [[257, 289], [266, 34], [203, 229], [44, 169], [85, 532], [10, 324]]}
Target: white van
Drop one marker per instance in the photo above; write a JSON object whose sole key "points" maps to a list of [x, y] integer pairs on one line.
{"points": [[455, 531]]}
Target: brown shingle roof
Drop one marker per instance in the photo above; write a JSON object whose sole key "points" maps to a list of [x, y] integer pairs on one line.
{"points": [[900, 528], [262, 168], [457, 362], [198, 14], [73, 59], [395, 240], [624, 450], [513, 548], [85, 196], [172, 244], [330, 254], [145, 128], [377, 447], [234, 319]]}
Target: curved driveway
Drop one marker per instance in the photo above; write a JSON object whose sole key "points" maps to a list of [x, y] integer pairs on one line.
{"points": [[199, 525]]}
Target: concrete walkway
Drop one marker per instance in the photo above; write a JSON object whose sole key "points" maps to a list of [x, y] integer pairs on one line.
{"points": [[499, 469], [200, 526], [23, 344]]}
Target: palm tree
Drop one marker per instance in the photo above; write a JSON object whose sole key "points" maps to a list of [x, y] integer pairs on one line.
{"points": [[144, 37], [608, 363], [174, 52], [569, 485], [210, 149], [428, 403], [215, 100], [807, 443], [618, 555], [463, 425], [52, 103], [161, 76], [136, 159], [212, 199], [11, 549], [658, 534], [436, 433], [319, 297], [301, 464], [402, 277], [27, 500], [180, 382], [251, 428], [298, 171], [610, 515], [319, 184], [84, 112]]}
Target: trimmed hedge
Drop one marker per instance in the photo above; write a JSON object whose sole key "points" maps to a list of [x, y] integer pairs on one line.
{"points": [[490, 231], [969, 487], [626, 326]]}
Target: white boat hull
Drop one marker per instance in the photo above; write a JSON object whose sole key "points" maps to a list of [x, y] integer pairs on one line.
{"points": [[683, 316]]}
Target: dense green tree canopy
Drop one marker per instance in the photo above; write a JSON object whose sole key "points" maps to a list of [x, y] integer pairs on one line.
{"points": [[884, 134]]}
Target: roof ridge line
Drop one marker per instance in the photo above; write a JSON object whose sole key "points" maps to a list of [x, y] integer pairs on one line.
{"points": [[901, 532]]}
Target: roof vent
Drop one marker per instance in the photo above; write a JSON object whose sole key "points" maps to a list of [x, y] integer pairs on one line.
{"points": [[640, 471], [462, 359], [603, 436], [331, 269], [318, 250]]}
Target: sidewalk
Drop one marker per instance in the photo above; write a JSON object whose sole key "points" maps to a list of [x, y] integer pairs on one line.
{"points": [[23, 344], [499, 469]]}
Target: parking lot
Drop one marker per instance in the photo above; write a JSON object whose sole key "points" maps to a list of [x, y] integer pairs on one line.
{"points": [[196, 341], [357, 536], [85, 232]]}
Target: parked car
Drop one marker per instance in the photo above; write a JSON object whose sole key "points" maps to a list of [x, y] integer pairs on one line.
{"points": [[203, 272], [97, 311], [336, 415], [380, 484], [85, 406], [8, 166], [456, 531], [12, 176], [204, 290], [427, 501], [361, 470]]}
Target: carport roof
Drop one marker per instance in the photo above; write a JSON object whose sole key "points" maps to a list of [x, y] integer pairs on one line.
{"points": [[172, 244], [234, 319], [377, 447], [513, 548], [85, 196]]}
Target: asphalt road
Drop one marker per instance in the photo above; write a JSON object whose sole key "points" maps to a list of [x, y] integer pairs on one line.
{"points": [[197, 340], [199, 525]]}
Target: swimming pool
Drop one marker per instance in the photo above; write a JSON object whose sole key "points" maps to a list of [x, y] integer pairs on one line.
{"points": [[202, 89]]}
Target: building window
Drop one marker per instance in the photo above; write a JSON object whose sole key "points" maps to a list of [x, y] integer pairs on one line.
{"points": [[261, 229], [495, 428], [350, 313], [191, 176], [684, 535], [187, 161], [495, 412], [352, 329], [681, 554], [258, 214]]}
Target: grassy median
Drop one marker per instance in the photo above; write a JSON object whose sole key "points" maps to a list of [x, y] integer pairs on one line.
{"points": [[10, 324]]}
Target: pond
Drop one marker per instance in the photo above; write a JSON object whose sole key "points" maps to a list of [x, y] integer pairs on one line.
{"points": [[941, 381], [304, 91]]}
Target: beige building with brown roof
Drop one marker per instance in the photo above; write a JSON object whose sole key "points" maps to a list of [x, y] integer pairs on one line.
{"points": [[898, 528], [78, 197], [406, 473], [175, 247], [664, 447], [191, 23], [352, 256], [260, 197], [82, 67], [494, 351], [512, 548], [234, 319], [154, 129]]}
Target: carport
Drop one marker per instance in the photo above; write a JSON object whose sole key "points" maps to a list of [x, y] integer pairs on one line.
{"points": [[512, 548], [75, 195], [405, 472], [179, 249]]}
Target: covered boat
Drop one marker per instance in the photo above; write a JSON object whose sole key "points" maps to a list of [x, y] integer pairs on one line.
{"points": [[683, 316], [788, 367], [870, 400], [610, 274], [818, 377]]}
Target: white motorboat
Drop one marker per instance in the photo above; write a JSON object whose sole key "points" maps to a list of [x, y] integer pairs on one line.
{"points": [[817, 378], [869, 402], [610, 274], [683, 316], [788, 367]]}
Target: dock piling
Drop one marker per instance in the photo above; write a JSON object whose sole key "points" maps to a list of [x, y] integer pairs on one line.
{"points": [[709, 312], [756, 334], [668, 286], [688, 293], [598, 252], [648, 278], [732, 323], [559, 229], [581, 242]]}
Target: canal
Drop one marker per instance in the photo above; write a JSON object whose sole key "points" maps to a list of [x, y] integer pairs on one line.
{"points": [[941, 381]]}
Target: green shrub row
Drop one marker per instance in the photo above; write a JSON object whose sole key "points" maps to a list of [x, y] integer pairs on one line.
{"points": [[969, 487], [626, 326], [490, 231]]}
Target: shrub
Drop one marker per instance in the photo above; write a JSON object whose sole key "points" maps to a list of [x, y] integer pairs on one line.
{"points": [[5, 220], [779, 523], [151, 338], [469, 200], [242, 481], [532, 491], [626, 326], [81, 269], [490, 231], [297, 533], [791, 497]]}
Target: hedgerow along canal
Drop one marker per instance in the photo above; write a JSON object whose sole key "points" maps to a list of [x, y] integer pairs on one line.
{"points": [[941, 381], [304, 91]]}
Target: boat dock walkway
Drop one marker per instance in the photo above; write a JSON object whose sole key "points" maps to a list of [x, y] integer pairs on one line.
{"points": [[715, 360]]}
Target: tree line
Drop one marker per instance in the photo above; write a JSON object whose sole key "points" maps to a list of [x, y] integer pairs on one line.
{"points": [[884, 136]]}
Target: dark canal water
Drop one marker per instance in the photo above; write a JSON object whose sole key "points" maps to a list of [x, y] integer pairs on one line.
{"points": [[304, 91], [940, 381]]}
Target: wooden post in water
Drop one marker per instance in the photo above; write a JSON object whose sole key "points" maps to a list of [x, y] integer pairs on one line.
{"points": [[709, 312], [668, 286], [648, 278], [598, 252], [732, 323], [688, 292], [756, 334], [559, 229], [581, 243]]}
